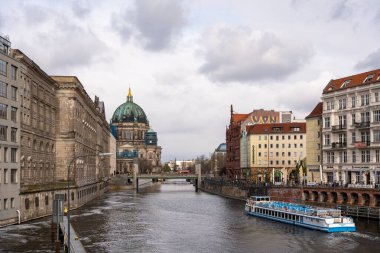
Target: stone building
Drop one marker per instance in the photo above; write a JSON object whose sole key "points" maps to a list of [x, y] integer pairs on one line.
{"points": [[276, 152], [136, 142], [38, 132], [314, 144], [9, 135], [351, 133], [82, 130]]}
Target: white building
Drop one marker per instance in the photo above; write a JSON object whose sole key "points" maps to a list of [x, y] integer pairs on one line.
{"points": [[351, 130]]}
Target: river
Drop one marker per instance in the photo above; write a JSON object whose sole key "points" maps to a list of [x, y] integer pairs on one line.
{"points": [[175, 218]]}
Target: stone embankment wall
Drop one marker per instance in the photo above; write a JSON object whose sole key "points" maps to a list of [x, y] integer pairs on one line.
{"points": [[228, 191]]}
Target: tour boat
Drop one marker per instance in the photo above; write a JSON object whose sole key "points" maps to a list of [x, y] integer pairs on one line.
{"points": [[323, 219]]}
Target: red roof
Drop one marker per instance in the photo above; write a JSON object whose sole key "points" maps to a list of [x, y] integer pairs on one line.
{"points": [[277, 128], [239, 117], [317, 111], [352, 81]]}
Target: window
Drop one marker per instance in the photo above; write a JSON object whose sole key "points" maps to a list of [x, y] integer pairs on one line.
{"points": [[5, 204], [3, 133], [342, 138], [353, 102], [295, 145], [377, 99], [295, 154], [327, 122], [12, 202], [46, 200], [342, 104], [3, 89], [376, 116], [345, 83], [342, 121], [27, 204], [295, 137], [14, 93], [276, 154], [365, 117], [3, 68], [289, 145], [13, 134], [271, 145], [271, 154], [327, 139], [366, 156], [376, 135], [295, 129], [289, 154], [13, 155], [265, 145], [353, 120], [353, 137], [277, 146], [277, 138], [5, 176], [301, 137], [36, 201], [354, 156], [364, 99], [344, 156], [13, 72], [259, 145], [13, 176], [368, 78], [259, 154], [318, 158], [14, 114], [5, 155], [377, 155], [271, 137], [283, 154], [301, 145], [3, 111]]}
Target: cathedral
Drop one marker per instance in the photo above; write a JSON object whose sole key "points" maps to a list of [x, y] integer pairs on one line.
{"points": [[136, 142]]}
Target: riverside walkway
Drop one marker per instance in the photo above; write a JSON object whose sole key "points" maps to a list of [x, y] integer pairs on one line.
{"points": [[76, 246]]}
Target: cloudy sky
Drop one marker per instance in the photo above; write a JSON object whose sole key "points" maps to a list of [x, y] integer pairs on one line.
{"points": [[188, 61]]}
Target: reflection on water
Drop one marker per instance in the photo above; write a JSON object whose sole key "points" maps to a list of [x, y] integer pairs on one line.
{"points": [[175, 218]]}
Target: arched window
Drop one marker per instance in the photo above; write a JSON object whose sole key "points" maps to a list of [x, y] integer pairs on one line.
{"points": [[46, 200]]}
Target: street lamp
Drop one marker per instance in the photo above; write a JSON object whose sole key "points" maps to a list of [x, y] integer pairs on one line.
{"points": [[68, 191]]}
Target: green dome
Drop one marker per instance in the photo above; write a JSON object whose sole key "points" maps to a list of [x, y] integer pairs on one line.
{"points": [[129, 112]]}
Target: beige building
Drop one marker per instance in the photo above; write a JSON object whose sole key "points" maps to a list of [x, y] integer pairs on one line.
{"points": [[314, 145], [82, 130], [275, 151], [351, 130], [9, 135], [38, 113], [112, 150]]}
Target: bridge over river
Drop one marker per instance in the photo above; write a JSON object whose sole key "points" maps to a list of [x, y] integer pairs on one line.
{"points": [[164, 176]]}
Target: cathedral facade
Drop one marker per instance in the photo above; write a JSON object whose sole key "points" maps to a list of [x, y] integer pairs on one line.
{"points": [[136, 142]]}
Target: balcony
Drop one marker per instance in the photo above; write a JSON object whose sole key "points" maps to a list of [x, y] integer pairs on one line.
{"points": [[338, 128], [362, 144], [363, 124], [339, 145]]}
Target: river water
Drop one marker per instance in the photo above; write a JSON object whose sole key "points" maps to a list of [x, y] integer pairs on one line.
{"points": [[175, 218]]}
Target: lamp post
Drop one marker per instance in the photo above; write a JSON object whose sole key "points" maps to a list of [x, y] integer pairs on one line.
{"points": [[68, 191]]}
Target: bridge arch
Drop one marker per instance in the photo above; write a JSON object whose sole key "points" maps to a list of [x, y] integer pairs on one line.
{"points": [[354, 198], [344, 197], [306, 195], [314, 196], [377, 199], [365, 199], [334, 197], [324, 196]]}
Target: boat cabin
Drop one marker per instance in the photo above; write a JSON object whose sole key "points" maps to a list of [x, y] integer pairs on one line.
{"points": [[260, 198]]}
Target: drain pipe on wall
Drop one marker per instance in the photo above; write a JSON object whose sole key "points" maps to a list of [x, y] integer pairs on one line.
{"points": [[19, 216]]}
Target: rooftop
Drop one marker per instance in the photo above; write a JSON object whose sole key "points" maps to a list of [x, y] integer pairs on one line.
{"points": [[317, 111], [361, 79], [275, 128]]}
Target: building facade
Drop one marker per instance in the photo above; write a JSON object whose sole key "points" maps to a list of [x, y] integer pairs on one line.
{"points": [[236, 137], [82, 130], [314, 144], [351, 130], [9, 135], [38, 132], [276, 152], [136, 142]]}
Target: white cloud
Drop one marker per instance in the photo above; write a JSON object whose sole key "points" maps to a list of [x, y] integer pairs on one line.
{"points": [[243, 55]]}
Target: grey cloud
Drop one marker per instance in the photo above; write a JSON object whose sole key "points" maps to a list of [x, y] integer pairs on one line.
{"points": [[242, 55], [341, 10], [35, 15], [154, 23], [372, 61], [80, 9]]}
